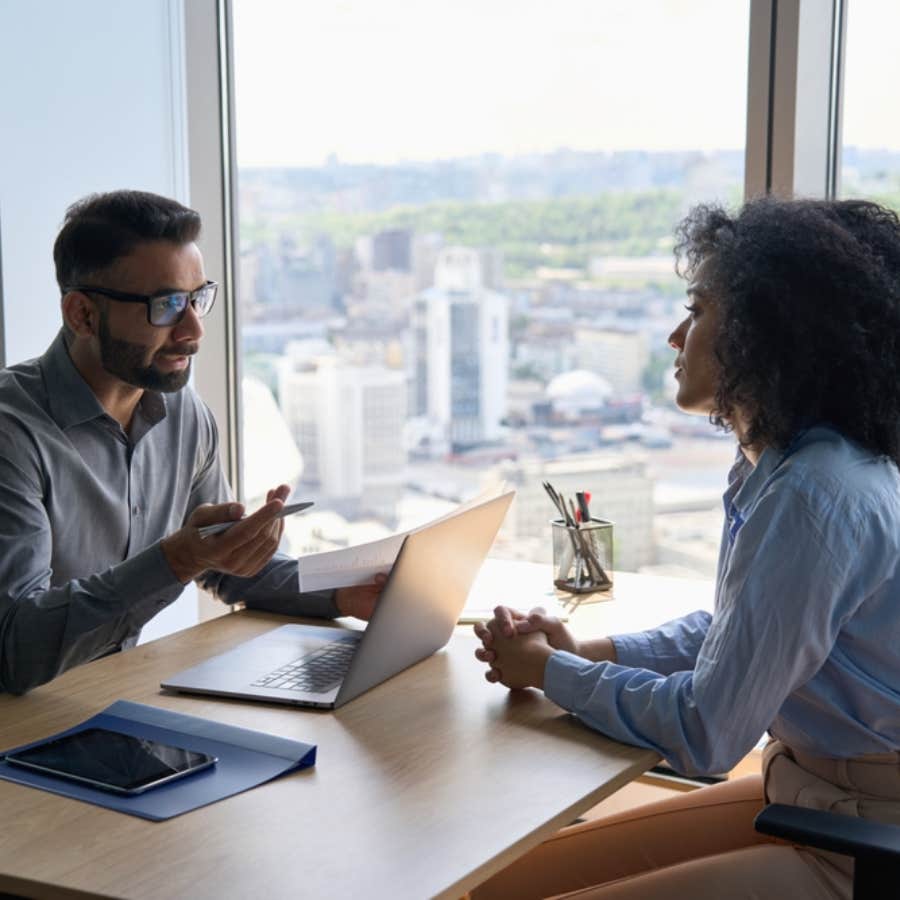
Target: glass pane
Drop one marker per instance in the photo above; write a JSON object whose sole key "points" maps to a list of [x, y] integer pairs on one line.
{"points": [[870, 156], [456, 225]]}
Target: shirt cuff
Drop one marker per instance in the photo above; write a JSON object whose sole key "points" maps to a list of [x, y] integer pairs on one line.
{"points": [[316, 604], [561, 677], [149, 579], [321, 604], [633, 650]]}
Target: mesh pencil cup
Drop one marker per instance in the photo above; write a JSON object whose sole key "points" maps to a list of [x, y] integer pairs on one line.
{"points": [[582, 556]]}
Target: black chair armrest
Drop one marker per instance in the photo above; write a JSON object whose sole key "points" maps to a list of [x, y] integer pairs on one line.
{"points": [[830, 831]]}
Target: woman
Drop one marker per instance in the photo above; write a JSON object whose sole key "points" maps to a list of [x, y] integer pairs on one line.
{"points": [[792, 341]]}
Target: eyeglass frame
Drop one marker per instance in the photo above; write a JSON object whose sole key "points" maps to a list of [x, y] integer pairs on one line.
{"points": [[147, 299]]}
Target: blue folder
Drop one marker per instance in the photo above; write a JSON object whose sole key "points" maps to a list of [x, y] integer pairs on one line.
{"points": [[246, 759]]}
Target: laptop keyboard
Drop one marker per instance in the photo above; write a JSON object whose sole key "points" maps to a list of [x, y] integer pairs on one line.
{"points": [[314, 673]]}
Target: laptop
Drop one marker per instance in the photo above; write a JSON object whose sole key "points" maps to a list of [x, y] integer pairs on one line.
{"points": [[317, 666]]}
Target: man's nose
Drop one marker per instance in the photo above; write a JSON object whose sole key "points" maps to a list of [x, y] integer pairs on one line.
{"points": [[190, 328]]}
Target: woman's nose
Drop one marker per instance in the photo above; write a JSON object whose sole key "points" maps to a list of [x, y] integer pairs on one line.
{"points": [[676, 338]]}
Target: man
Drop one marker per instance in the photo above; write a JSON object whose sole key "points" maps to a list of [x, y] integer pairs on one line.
{"points": [[109, 462]]}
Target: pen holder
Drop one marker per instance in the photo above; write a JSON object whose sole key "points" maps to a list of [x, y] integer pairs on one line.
{"points": [[582, 556]]}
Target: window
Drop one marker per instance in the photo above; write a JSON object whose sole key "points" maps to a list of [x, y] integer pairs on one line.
{"points": [[870, 158], [456, 230]]}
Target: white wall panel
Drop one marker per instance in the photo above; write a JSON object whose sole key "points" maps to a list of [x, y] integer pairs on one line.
{"points": [[91, 99]]}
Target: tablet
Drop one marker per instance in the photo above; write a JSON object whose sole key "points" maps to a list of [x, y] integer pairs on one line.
{"points": [[111, 761], [288, 510]]}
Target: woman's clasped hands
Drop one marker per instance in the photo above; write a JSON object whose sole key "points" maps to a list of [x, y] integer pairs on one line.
{"points": [[516, 645]]}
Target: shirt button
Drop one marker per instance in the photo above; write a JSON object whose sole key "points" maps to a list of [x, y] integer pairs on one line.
{"points": [[136, 510]]}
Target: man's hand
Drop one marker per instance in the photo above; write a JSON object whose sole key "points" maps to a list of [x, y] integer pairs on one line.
{"points": [[241, 550], [359, 601], [519, 661]]}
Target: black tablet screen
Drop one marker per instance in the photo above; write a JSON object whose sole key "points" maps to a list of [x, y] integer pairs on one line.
{"points": [[111, 759]]}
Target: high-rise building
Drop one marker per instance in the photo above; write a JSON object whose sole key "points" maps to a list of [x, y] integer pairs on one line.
{"points": [[492, 268], [348, 423], [392, 250], [425, 250], [384, 295], [294, 280], [462, 350], [620, 356]]}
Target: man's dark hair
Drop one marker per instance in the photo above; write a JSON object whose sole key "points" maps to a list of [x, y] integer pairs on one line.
{"points": [[101, 228], [810, 326]]}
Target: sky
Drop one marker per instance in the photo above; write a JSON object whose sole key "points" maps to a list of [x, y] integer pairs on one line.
{"points": [[385, 81], [871, 109], [388, 80]]}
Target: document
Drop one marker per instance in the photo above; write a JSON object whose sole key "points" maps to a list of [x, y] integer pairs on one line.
{"points": [[351, 566]]}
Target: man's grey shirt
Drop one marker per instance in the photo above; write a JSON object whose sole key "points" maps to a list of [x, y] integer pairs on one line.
{"points": [[83, 508]]}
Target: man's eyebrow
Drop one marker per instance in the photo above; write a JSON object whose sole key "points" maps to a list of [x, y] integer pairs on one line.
{"points": [[697, 290]]}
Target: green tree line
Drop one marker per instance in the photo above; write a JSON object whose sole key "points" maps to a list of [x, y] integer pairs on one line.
{"points": [[564, 232]]}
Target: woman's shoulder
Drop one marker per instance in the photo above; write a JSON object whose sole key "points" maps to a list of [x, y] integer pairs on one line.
{"points": [[836, 475], [824, 452]]}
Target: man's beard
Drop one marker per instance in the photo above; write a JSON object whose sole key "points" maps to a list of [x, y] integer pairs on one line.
{"points": [[125, 360]]}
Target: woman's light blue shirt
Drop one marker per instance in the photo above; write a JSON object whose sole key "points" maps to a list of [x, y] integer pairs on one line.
{"points": [[805, 638]]}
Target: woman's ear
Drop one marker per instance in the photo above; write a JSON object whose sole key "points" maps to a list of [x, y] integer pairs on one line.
{"points": [[80, 314]]}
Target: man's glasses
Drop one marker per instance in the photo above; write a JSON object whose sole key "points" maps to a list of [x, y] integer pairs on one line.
{"points": [[164, 309]]}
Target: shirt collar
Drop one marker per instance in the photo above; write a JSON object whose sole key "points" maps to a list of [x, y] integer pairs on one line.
{"points": [[755, 478], [71, 399], [150, 411], [737, 475]]}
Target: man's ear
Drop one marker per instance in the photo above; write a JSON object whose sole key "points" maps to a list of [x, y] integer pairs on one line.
{"points": [[80, 314]]}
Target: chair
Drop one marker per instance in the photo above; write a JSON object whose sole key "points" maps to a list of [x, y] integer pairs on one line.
{"points": [[874, 845]]}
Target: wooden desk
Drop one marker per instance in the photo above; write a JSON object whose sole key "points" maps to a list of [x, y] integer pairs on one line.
{"points": [[638, 602], [424, 786], [635, 602]]}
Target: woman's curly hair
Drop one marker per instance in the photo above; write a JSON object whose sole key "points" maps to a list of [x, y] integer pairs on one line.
{"points": [[810, 326]]}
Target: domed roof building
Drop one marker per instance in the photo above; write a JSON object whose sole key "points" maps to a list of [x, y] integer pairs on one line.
{"points": [[578, 392]]}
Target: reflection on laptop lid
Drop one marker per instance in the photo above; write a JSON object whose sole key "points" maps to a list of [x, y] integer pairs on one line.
{"points": [[309, 665]]}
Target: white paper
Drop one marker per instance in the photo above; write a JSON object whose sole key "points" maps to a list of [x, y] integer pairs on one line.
{"points": [[360, 564], [350, 566]]}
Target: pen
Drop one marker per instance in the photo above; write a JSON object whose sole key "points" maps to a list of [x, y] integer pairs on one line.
{"points": [[581, 497], [569, 524]]}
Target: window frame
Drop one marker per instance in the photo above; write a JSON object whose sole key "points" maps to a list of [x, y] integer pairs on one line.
{"points": [[794, 97], [213, 193], [792, 146]]}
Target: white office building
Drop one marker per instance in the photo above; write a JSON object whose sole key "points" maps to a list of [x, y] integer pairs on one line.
{"points": [[617, 355], [348, 423], [462, 351]]}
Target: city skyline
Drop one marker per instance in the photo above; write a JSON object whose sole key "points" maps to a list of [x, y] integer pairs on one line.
{"points": [[565, 153]]}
